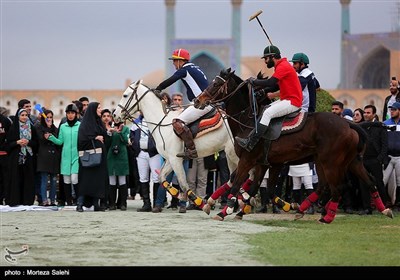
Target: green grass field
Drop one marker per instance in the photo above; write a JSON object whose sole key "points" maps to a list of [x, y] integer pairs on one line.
{"points": [[351, 240]]}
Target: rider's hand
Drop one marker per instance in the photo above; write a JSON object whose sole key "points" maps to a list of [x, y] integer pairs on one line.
{"points": [[260, 93], [156, 91], [251, 80]]}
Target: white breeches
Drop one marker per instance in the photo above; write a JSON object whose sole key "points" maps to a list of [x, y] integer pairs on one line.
{"points": [[278, 108], [192, 114], [73, 178], [147, 165]]}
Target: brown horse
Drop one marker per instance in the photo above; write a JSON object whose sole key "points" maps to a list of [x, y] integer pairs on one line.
{"points": [[335, 145]]}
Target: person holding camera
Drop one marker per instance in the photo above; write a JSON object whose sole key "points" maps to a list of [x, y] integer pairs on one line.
{"points": [[117, 164]]}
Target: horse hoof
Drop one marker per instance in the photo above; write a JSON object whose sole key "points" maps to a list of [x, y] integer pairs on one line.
{"points": [[207, 209], [218, 218], [211, 201], [253, 201], [294, 206], [238, 217], [388, 212], [299, 215], [322, 221]]}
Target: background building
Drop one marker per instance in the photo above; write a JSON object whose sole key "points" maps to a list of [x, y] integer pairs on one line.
{"points": [[368, 61]]}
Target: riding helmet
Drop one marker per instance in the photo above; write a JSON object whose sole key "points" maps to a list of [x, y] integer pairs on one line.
{"points": [[180, 54], [71, 108], [300, 57], [271, 50]]}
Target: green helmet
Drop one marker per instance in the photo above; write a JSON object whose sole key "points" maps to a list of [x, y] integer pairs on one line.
{"points": [[271, 50], [300, 57]]}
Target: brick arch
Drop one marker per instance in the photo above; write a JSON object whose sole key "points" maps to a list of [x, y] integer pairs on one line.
{"points": [[374, 69]]}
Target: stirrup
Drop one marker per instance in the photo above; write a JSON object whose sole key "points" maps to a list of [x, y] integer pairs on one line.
{"points": [[188, 154]]}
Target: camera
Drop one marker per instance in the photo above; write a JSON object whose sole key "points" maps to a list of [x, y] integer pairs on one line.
{"points": [[115, 150]]}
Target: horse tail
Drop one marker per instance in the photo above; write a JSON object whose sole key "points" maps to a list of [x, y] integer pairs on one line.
{"points": [[362, 137]]}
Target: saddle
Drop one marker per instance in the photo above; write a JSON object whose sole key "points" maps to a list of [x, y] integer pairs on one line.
{"points": [[287, 124], [205, 124]]}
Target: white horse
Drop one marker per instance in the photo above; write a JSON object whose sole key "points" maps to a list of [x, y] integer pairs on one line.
{"points": [[138, 97]]}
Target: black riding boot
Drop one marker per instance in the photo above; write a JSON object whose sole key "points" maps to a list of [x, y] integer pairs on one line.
{"points": [[112, 196], [145, 192], [155, 191], [264, 200], [123, 196], [253, 138], [184, 132], [297, 196], [68, 194]]}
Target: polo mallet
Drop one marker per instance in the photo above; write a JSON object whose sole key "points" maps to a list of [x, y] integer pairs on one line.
{"points": [[256, 16], [39, 108]]}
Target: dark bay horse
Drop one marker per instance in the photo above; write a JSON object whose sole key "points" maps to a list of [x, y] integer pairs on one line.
{"points": [[335, 145]]}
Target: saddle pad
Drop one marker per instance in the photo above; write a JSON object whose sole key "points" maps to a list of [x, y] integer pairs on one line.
{"points": [[210, 124], [293, 124]]}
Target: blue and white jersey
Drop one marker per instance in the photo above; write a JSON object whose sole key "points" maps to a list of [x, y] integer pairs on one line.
{"points": [[192, 77], [308, 86]]}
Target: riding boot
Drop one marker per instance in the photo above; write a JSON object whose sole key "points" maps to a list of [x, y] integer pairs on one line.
{"points": [[75, 194], [297, 196], [155, 191], [112, 197], [68, 194], [123, 196], [253, 138], [264, 200], [145, 192], [184, 132]]}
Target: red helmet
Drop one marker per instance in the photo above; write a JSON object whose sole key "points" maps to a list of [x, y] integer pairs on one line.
{"points": [[180, 54]]}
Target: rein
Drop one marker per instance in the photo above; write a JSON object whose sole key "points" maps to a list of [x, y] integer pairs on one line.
{"points": [[128, 109], [225, 97]]}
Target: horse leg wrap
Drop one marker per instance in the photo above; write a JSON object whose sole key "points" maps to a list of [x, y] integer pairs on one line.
{"points": [[247, 208], [331, 213], [378, 201], [171, 189], [220, 191], [198, 201], [244, 195], [230, 205], [308, 201], [246, 185], [281, 203]]}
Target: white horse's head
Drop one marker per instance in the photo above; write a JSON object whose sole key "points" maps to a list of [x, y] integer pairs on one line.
{"points": [[127, 107]]}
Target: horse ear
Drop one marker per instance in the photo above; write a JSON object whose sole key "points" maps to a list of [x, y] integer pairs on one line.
{"points": [[260, 75]]}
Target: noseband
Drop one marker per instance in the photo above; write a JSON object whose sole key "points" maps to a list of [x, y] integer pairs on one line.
{"points": [[127, 108]]}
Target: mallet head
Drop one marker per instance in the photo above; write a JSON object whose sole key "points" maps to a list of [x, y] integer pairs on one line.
{"points": [[255, 15]]}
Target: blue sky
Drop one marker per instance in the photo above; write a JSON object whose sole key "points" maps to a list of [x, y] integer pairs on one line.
{"points": [[99, 44]]}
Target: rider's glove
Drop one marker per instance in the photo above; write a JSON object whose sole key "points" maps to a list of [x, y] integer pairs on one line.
{"points": [[260, 93], [251, 80]]}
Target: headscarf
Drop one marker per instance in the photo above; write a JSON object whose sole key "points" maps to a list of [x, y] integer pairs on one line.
{"points": [[90, 127], [25, 132]]}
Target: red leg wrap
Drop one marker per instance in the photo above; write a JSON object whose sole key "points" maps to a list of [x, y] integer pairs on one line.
{"points": [[220, 191], [223, 212], [331, 212], [308, 201], [246, 185], [378, 201]]}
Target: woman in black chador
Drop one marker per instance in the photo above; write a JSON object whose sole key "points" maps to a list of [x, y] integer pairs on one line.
{"points": [[92, 180]]}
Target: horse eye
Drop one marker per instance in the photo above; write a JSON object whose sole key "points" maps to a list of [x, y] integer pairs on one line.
{"points": [[125, 95]]}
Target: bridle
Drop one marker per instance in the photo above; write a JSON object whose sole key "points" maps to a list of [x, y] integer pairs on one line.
{"points": [[127, 108], [223, 90]]}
